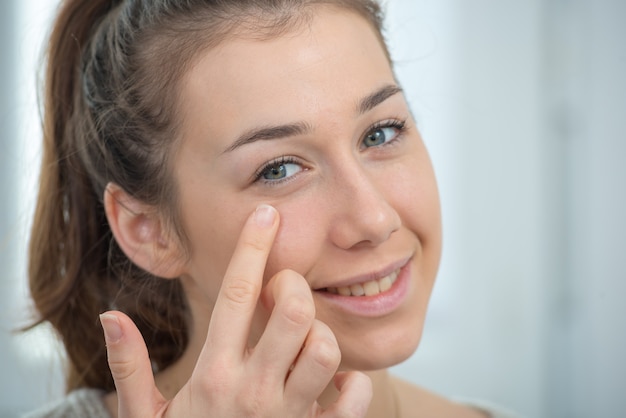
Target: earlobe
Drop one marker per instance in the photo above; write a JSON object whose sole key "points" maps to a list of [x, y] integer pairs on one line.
{"points": [[139, 231]]}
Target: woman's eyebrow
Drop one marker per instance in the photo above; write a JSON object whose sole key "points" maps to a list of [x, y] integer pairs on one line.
{"points": [[371, 101], [270, 132], [300, 128]]}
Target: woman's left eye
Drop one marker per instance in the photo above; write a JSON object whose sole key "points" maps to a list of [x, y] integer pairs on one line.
{"points": [[381, 135]]}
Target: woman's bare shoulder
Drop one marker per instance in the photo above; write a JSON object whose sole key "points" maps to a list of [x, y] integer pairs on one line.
{"points": [[415, 401]]}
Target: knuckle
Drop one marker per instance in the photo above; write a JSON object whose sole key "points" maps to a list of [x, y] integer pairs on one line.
{"points": [[256, 244], [325, 353], [246, 399], [240, 291], [212, 388], [295, 301], [216, 382], [122, 370], [298, 311]]}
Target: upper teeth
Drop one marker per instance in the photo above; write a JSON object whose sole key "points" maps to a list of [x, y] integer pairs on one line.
{"points": [[370, 288]]}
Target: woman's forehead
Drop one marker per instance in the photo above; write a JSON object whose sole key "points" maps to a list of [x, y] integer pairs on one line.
{"points": [[332, 63]]}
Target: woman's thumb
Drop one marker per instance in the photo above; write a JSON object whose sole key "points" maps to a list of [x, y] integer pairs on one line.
{"points": [[130, 366]]}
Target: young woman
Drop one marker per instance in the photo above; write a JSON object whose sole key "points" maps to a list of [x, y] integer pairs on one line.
{"points": [[245, 181]]}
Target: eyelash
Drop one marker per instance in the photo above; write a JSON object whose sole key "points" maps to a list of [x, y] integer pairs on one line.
{"points": [[398, 124], [277, 162]]}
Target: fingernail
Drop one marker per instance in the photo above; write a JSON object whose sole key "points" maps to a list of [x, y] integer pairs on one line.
{"points": [[111, 327], [264, 215]]}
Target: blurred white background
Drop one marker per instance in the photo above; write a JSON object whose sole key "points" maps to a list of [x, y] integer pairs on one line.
{"points": [[523, 107]]}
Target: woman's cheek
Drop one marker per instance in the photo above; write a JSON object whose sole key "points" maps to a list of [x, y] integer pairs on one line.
{"points": [[300, 237], [211, 240]]}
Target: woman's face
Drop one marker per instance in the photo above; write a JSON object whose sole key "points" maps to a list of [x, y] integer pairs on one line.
{"points": [[313, 123]]}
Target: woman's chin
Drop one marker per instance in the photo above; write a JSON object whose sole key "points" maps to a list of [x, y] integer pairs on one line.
{"points": [[368, 357]]}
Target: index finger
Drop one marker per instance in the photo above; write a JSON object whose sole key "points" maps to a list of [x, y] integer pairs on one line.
{"points": [[236, 303]]}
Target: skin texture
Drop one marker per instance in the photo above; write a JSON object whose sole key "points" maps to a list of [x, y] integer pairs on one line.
{"points": [[346, 209]]}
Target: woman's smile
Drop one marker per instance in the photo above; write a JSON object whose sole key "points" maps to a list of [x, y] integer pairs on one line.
{"points": [[370, 295]]}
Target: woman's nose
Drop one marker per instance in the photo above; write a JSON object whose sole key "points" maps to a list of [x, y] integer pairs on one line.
{"points": [[363, 214]]}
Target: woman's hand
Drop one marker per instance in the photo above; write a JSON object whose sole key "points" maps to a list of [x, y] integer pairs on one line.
{"points": [[282, 376]]}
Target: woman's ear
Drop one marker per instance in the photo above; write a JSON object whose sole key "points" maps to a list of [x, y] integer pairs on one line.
{"points": [[140, 232]]}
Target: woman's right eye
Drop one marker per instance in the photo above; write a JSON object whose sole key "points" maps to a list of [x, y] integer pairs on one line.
{"points": [[277, 170]]}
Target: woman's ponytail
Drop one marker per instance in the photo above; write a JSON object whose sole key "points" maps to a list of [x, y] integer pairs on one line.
{"points": [[69, 238], [98, 128]]}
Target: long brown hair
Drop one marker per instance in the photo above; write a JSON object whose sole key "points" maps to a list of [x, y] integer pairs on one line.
{"points": [[110, 115]]}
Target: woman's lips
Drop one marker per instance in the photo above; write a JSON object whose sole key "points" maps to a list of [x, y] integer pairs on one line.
{"points": [[370, 288], [373, 297]]}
